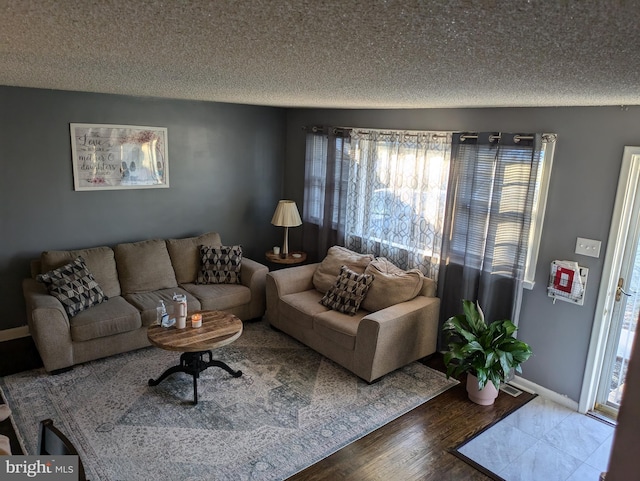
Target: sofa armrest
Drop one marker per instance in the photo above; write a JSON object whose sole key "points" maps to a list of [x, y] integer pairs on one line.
{"points": [[429, 288], [251, 272], [253, 275], [48, 325], [398, 335], [287, 281], [293, 279]]}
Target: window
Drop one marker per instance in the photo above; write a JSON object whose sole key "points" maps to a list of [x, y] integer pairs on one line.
{"points": [[327, 157], [385, 193], [539, 207], [396, 196], [500, 183]]}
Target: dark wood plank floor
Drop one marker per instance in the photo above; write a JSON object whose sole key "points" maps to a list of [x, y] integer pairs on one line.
{"points": [[416, 446]]}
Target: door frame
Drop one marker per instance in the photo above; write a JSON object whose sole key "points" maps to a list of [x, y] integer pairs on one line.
{"points": [[626, 195]]}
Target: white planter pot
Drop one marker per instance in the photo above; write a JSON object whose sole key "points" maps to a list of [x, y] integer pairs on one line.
{"points": [[485, 396]]}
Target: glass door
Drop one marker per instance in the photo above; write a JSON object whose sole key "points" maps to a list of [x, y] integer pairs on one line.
{"points": [[623, 325]]}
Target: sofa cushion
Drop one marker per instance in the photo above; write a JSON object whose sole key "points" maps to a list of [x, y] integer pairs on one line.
{"points": [[147, 303], [185, 255], [329, 269], [99, 260], [74, 286], [144, 266], [220, 265], [219, 297], [338, 328], [391, 285], [114, 316], [301, 307], [348, 291]]}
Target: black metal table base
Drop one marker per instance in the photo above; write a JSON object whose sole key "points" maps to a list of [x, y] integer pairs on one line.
{"points": [[194, 363]]}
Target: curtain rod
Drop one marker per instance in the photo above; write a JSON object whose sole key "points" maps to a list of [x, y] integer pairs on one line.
{"points": [[434, 134], [516, 138], [316, 128], [546, 137]]}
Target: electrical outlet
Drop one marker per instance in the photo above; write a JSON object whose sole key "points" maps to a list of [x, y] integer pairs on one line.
{"points": [[588, 247]]}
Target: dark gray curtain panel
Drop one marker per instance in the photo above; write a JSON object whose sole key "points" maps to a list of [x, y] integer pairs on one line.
{"points": [[490, 199]]}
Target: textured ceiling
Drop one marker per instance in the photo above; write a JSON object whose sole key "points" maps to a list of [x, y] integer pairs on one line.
{"points": [[339, 54]]}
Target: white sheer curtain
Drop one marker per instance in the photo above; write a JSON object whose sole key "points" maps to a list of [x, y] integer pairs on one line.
{"points": [[379, 192], [396, 195]]}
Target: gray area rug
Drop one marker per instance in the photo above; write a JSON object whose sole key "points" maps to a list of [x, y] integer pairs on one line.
{"points": [[291, 408]]}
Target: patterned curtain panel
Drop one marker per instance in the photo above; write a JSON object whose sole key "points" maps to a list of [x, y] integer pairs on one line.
{"points": [[396, 195], [491, 196]]}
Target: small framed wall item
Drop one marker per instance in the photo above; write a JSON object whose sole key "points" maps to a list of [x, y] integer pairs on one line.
{"points": [[567, 282], [108, 157]]}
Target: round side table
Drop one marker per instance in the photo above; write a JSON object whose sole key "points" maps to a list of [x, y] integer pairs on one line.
{"points": [[295, 257]]}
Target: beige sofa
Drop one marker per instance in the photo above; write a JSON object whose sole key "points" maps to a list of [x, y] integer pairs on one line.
{"points": [[396, 323], [134, 277]]}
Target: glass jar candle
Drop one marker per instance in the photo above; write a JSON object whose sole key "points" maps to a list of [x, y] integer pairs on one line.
{"points": [[196, 320]]}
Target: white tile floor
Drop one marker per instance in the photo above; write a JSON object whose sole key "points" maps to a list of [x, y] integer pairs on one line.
{"points": [[544, 440]]}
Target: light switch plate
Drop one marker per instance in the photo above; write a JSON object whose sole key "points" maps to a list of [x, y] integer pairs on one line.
{"points": [[588, 247]]}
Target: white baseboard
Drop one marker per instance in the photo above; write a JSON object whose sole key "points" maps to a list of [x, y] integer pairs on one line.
{"points": [[532, 387], [15, 333]]}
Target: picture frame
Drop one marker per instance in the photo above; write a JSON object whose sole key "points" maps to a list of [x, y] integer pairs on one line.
{"points": [[110, 157]]}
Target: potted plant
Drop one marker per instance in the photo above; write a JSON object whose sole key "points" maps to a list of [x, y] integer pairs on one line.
{"points": [[486, 352]]}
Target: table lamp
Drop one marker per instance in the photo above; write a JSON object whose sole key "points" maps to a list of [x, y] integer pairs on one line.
{"points": [[286, 215]]}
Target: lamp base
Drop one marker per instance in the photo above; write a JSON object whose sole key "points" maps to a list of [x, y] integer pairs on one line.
{"points": [[285, 246]]}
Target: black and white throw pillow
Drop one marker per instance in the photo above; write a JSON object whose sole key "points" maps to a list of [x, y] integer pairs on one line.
{"points": [[347, 292], [74, 286], [220, 265]]}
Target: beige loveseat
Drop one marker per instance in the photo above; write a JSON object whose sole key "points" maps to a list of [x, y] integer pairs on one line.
{"points": [[395, 324], [134, 277]]}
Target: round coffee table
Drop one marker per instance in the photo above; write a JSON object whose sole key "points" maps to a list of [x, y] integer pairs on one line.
{"points": [[218, 329]]}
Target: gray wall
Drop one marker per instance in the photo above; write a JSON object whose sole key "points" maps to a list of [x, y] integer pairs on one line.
{"points": [[225, 165], [581, 197], [229, 164]]}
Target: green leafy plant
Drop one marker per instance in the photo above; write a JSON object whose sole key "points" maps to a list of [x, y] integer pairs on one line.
{"points": [[488, 351]]}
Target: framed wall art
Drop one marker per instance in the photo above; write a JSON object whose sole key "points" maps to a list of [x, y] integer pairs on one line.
{"points": [[108, 157]]}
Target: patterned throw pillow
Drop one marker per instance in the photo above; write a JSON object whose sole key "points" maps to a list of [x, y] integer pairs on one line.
{"points": [[347, 292], [220, 265], [74, 286]]}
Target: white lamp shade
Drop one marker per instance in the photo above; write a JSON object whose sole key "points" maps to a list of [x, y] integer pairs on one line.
{"points": [[286, 214]]}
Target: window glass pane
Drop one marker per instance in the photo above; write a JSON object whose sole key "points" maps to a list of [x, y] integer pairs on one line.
{"points": [[315, 178]]}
